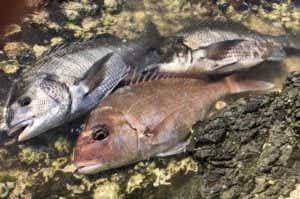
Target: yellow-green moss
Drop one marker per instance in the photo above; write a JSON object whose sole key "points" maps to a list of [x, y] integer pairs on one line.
{"points": [[11, 30], [108, 190], [9, 67], [60, 162], [13, 49], [62, 145], [56, 41], [163, 175], [134, 182], [28, 155], [39, 50]]}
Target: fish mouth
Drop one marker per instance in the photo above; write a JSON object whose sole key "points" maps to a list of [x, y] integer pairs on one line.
{"points": [[20, 127], [89, 169]]}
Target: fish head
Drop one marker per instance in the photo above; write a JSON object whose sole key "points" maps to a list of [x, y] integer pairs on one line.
{"points": [[107, 141], [42, 106]]}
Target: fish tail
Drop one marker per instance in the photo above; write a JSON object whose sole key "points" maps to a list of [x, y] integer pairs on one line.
{"points": [[238, 84]]}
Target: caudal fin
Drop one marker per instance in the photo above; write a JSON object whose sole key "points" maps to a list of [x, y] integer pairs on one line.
{"points": [[238, 84]]}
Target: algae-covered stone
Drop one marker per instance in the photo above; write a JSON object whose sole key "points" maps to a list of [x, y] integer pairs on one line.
{"points": [[220, 105], [56, 41], [295, 194], [134, 182], [21, 188], [39, 50], [60, 162], [3, 155], [74, 10], [163, 175], [41, 17], [284, 13], [62, 145], [89, 23], [30, 155], [109, 190], [112, 5], [12, 29], [78, 31], [13, 49], [3, 190], [9, 67]]}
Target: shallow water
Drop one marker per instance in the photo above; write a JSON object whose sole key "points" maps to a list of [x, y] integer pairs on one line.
{"points": [[42, 166]]}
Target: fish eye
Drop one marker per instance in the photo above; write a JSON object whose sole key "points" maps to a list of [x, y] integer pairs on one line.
{"points": [[100, 133], [24, 101]]}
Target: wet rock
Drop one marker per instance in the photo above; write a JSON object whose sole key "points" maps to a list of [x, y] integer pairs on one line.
{"points": [[257, 145]]}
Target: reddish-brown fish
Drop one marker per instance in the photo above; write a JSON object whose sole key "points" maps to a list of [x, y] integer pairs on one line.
{"points": [[149, 119]]}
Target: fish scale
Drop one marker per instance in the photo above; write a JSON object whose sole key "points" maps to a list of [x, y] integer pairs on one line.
{"points": [[68, 82], [148, 119], [221, 47]]}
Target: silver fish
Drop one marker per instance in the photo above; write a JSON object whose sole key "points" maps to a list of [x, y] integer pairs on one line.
{"points": [[71, 81], [221, 47]]}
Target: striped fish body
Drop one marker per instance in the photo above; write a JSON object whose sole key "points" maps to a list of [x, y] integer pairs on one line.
{"points": [[72, 80]]}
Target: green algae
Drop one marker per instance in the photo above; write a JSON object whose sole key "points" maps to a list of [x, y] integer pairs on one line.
{"points": [[60, 162], [62, 145], [29, 155], [109, 190], [9, 67]]}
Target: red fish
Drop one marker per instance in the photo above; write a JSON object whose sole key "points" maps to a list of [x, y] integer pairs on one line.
{"points": [[148, 119]]}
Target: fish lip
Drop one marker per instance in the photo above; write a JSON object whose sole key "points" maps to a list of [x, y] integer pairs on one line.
{"points": [[88, 169], [20, 125]]}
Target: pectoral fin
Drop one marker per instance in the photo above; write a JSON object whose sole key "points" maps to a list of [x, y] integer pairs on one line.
{"points": [[94, 75], [212, 66], [179, 148], [169, 137], [219, 50]]}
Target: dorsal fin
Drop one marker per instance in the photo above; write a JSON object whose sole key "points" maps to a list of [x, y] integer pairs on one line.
{"points": [[81, 44], [147, 75], [150, 74]]}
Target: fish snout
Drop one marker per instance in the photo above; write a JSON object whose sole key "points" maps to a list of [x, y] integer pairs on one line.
{"points": [[17, 119]]}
